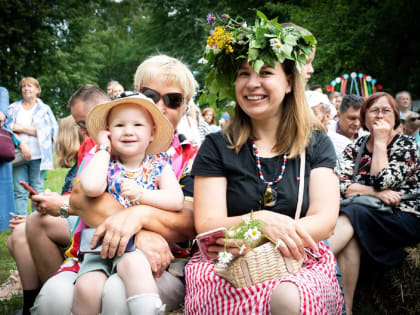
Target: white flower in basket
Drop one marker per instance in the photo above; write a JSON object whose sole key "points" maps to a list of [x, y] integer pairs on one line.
{"points": [[261, 263]]}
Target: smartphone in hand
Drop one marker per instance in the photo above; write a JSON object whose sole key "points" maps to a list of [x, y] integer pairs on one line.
{"points": [[86, 238], [206, 239], [28, 188]]}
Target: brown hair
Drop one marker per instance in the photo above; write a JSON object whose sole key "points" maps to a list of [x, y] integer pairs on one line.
{"points": [[296, 122], [90, 95], [207, 110], [32, 81], [68, 142], [372, 100]]}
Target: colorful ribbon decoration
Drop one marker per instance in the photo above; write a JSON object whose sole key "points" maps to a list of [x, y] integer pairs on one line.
{"points": [[366, 83]]}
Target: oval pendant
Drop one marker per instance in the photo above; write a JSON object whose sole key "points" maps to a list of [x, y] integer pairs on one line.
{"points": [[270, 196]]}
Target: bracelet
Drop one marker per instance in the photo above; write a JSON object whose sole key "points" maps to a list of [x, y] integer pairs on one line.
{"points": [[103, 147]]}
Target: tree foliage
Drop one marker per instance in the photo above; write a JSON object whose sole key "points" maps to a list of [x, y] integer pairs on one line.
{"points": [[65, 44]]}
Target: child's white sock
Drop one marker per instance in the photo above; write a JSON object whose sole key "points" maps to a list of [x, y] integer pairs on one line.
{"points": [[145, 304]]}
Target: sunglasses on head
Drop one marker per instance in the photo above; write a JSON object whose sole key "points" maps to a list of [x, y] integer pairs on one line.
{"points": [[172, 100]]}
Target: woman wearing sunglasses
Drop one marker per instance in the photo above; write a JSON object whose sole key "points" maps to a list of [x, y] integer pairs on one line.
{"points": [[252, 169], [170, 84]]}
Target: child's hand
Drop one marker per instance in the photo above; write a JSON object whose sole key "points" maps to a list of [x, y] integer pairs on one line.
{"points": [[131, 190], [104, 137]]}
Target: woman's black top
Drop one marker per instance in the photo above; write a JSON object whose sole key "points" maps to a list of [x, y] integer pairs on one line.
{"points": [[245, 189]]}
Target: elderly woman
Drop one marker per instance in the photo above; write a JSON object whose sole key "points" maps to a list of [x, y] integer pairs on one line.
{"points": [[35, 125], [389, 170], [253, 166]]}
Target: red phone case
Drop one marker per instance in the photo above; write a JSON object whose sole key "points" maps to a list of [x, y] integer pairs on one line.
{"points": [[209, 238], [28, 188]]}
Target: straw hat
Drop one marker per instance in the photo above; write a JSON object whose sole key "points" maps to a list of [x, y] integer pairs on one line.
{"points": [[164, 132]]}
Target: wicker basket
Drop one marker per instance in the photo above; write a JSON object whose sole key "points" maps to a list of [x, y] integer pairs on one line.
{"points": [[260, 264]]}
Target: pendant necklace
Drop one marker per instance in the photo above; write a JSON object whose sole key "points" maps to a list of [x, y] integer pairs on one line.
{"points": [[270, 194]]}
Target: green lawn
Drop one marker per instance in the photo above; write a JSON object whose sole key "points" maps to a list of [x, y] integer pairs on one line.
{"points": [[54, 182]]}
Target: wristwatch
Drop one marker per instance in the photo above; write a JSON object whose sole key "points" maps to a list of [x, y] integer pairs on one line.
{"points": [[64, 210]]}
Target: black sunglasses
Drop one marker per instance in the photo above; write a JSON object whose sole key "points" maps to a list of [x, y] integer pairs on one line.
{"points": [[172, 100]]}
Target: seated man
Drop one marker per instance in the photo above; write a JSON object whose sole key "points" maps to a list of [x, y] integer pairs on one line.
{"points": [[348, 123]]}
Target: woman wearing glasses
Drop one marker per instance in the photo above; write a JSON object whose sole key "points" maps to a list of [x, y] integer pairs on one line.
{"points": [[35, 125], [389, 168], [253, 167]]}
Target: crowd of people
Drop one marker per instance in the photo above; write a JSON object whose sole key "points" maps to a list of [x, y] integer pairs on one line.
{"points": [[137, 160]]}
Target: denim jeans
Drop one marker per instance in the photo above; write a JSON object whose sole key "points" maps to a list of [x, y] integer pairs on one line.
{"points": [[29, 172]]}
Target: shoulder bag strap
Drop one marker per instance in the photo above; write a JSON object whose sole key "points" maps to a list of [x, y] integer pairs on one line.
{"points": [[359, 155], [301, 184]]}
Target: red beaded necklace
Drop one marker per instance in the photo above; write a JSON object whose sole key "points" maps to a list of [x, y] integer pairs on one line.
{"points": [[270, 194]]}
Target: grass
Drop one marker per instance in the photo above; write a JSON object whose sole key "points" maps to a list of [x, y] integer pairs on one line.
{"points": [[54, 181]]}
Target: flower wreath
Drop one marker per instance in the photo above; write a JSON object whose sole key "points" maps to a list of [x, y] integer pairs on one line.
{"points": [[232, 41]]}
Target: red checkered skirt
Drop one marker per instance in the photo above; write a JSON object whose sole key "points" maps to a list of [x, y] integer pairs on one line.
{"points": [[209, 294]]}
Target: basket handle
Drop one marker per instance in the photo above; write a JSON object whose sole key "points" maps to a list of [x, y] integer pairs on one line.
{"points": [[245, 272]]}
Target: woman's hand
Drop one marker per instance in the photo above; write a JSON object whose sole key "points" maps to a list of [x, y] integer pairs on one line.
{"points": [[26, 153], [235, 247], [389, 197], [286, 233], [381, 131]]}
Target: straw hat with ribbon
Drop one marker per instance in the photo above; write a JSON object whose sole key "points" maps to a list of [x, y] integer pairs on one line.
{"points": [[164, 132]]}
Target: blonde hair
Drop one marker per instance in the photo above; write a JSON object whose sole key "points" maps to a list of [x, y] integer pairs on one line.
{"points": [[32, 81], [68, 142], [167, 69], [296, 123]]}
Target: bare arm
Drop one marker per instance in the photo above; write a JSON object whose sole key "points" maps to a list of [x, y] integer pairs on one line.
{"points": [[324, 204], [93, 179], [29, 130], [174, 226]]}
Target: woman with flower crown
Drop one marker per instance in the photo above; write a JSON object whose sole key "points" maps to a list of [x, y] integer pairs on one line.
{"points": [[252, 169]]}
